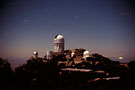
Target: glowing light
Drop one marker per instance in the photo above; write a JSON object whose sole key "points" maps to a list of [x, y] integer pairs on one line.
{"points": [[120, 58], [76, 17], [25, 21], [35, 52]]}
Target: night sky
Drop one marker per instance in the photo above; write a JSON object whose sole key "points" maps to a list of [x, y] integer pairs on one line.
{"points": [[106, 27]]}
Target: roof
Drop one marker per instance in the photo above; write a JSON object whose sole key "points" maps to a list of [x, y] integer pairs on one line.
{"points": [[58, 39], [86, 54]]}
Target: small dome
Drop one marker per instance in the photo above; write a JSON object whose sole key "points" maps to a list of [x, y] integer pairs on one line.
{"points": [[72, 54], [86, 54], [59, 39], [35, 53]]}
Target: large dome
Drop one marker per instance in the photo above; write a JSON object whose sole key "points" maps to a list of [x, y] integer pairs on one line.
{"points": [[59, 39]]}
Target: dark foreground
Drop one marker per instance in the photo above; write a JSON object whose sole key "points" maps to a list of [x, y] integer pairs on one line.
{"points": [[40, 74]]}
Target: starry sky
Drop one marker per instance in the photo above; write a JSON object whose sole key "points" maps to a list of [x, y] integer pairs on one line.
{"points": [[106, 27]]}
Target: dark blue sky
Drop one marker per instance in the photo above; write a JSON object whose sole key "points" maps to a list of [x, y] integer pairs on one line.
{"points": [[100, 26]]}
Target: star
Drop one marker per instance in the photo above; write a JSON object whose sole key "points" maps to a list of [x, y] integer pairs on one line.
{"points": [[121, 14], [25, 21], [76, 17], [91, 1], [66, 6]]}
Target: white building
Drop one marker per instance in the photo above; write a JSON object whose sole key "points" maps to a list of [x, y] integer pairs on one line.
{"points": [[86, 54], [49, 55], [35, 55], [58, 43], [72, 54]]}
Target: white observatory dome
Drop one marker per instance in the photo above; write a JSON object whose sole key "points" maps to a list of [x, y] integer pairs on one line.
{"points": [[86, 54], [58, 43], [72, 54], [35, 55], [59, 39]]}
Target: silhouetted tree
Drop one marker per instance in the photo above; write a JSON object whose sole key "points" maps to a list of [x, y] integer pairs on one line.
{"points": [[6, 75], [37, 74], [131, 65]]}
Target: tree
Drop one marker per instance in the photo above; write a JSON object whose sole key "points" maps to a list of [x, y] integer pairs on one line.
{"points": [[37, 74], [6, 74], [131, 64]]}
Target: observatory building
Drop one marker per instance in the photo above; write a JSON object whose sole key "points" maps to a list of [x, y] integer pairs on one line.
{"points": [[58, 43], [86, 54], [35, 55], [72, 54], [49, 55]]}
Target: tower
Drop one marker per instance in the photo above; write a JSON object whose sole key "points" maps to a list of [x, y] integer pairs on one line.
{"points": [[58, 43]]}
